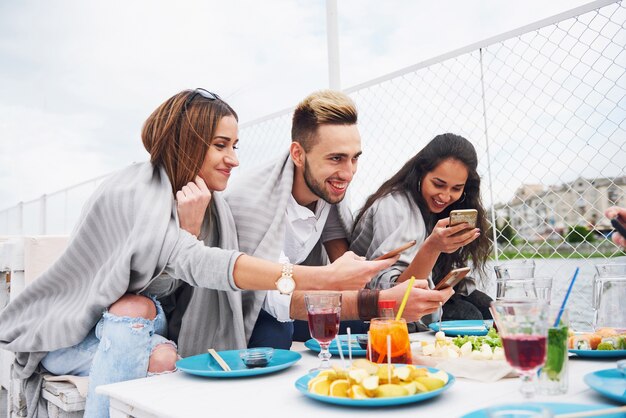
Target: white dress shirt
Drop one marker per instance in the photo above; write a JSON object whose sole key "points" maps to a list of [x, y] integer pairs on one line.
{"points": [[303, 230]]}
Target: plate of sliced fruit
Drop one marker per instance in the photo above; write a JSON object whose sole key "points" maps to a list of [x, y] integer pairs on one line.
{"points": [[367, 384]]}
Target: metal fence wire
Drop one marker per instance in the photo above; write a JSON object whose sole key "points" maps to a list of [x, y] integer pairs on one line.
{"points": [[544, 106]]}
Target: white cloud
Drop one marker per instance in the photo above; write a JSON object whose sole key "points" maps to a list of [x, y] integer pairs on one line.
{"points": [[79, 78]]}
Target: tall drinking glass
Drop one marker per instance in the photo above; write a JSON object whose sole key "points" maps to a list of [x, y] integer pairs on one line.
{"points": [[400, 348], [514, 280], [543, 288], [609, 291], [523, 327], [324, 310], [553, 376], [515, 269]]}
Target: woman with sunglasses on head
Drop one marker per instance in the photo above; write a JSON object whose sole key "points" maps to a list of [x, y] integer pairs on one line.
{"points": [[414, 204], [128, 249]]}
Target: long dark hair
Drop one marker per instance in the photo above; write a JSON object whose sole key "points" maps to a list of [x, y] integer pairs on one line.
{"points": [[408, 180]]}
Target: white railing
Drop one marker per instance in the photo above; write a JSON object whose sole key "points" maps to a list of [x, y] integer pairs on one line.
{"points": [[545, 106]]}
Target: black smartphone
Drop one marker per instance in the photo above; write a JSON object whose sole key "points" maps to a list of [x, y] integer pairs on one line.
{"points": [[619, 226]]}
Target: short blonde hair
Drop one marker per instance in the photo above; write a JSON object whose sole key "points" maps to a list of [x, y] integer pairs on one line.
{"points": [[325, 107]]}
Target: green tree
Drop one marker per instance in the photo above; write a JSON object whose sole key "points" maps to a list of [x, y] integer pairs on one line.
{"points": [[506, 233], [579, 233]]}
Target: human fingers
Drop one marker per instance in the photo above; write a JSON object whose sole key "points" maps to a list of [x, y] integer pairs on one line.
{"points": [[618, 239], [201, 184], [193, 187], [453, 230], [381, 264], [446, 293], [614, 211], [443, 223], [180, 196], [421, 284], [470, 236], [437, 296]]}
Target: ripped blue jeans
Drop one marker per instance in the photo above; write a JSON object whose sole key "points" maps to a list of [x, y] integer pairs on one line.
{"points": [[115, 350]]}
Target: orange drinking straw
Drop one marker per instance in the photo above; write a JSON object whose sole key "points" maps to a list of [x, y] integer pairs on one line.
{"points": [[405, 298]]}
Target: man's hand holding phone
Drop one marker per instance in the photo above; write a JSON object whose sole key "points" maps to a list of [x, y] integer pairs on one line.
{"points": [[453, 278], [422, 300]]}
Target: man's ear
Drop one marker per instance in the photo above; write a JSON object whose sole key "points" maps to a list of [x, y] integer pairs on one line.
{"points": [[298, 155]]}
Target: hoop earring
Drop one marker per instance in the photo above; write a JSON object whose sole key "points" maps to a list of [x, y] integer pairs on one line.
{"points": [[463, 199], [419, 186]]}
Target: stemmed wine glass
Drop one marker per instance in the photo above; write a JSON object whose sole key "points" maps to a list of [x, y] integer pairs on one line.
{"points": [[523, 328], [324, 310]]}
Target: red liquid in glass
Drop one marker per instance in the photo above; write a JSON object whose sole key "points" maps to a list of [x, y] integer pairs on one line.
{"points": [[525, 352], [324, 325]]}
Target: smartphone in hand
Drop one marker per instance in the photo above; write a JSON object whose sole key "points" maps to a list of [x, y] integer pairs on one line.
{"points": [[453, 278], [460, 216], [397, 251], [464, 215], [619, 226]]}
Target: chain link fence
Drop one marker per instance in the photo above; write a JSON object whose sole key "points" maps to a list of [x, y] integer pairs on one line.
{"points": [[545, 107]]}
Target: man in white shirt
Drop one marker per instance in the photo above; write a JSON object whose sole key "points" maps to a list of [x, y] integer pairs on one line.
{"points": [[293, 211]]}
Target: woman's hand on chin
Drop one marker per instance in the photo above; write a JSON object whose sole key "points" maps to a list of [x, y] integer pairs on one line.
{"points": [[191, 203]]}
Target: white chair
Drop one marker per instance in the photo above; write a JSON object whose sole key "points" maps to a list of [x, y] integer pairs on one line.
{"points": [[22, 260]]}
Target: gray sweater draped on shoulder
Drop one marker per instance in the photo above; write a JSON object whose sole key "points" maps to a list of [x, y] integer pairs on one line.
{"points": [[127, 234]]}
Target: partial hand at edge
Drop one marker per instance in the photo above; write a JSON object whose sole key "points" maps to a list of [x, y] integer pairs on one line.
{"points": [[611, 213]]}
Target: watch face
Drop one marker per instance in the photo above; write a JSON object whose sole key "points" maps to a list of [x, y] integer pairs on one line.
{"points": [[285, 285]]}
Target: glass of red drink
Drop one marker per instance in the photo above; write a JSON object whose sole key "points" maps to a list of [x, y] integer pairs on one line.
{"points": [[523, 327], [324, 310]]}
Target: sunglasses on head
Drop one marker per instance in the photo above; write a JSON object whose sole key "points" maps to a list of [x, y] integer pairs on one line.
{"points": [[204, 93]]}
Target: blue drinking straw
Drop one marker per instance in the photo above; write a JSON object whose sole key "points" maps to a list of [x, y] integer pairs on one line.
{"points": [[569, 290]]}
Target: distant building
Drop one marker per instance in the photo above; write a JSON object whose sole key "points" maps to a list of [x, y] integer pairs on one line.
{"points": [[541, 213]]}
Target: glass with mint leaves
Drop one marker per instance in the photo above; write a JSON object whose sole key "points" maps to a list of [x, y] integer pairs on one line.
{"points": [[553, 376]]}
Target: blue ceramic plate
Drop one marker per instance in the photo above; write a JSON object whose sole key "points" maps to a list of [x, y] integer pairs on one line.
{"points": [[357, 351], [301, 385], [609, 382], [205, 365], [599, 353], [466, 327], [556, 408]]}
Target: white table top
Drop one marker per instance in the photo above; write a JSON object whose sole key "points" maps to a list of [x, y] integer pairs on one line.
{"points": [[274, 395]]}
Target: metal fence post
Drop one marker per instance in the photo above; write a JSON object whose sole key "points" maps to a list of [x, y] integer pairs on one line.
{"points": [[42, 214], [332, 34]]}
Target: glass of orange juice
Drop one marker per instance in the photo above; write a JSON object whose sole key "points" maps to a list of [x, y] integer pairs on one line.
{"points": [[400, 346]]}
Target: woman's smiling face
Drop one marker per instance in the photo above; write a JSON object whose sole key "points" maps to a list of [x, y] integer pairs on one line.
{"points": [[444, 185]]}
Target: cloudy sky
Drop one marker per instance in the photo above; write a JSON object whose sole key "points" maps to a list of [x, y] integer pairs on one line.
{"points": [[78, 78]]}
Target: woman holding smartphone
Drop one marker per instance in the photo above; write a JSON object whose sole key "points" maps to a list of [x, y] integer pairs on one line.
{"points": [[414, 204]]}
